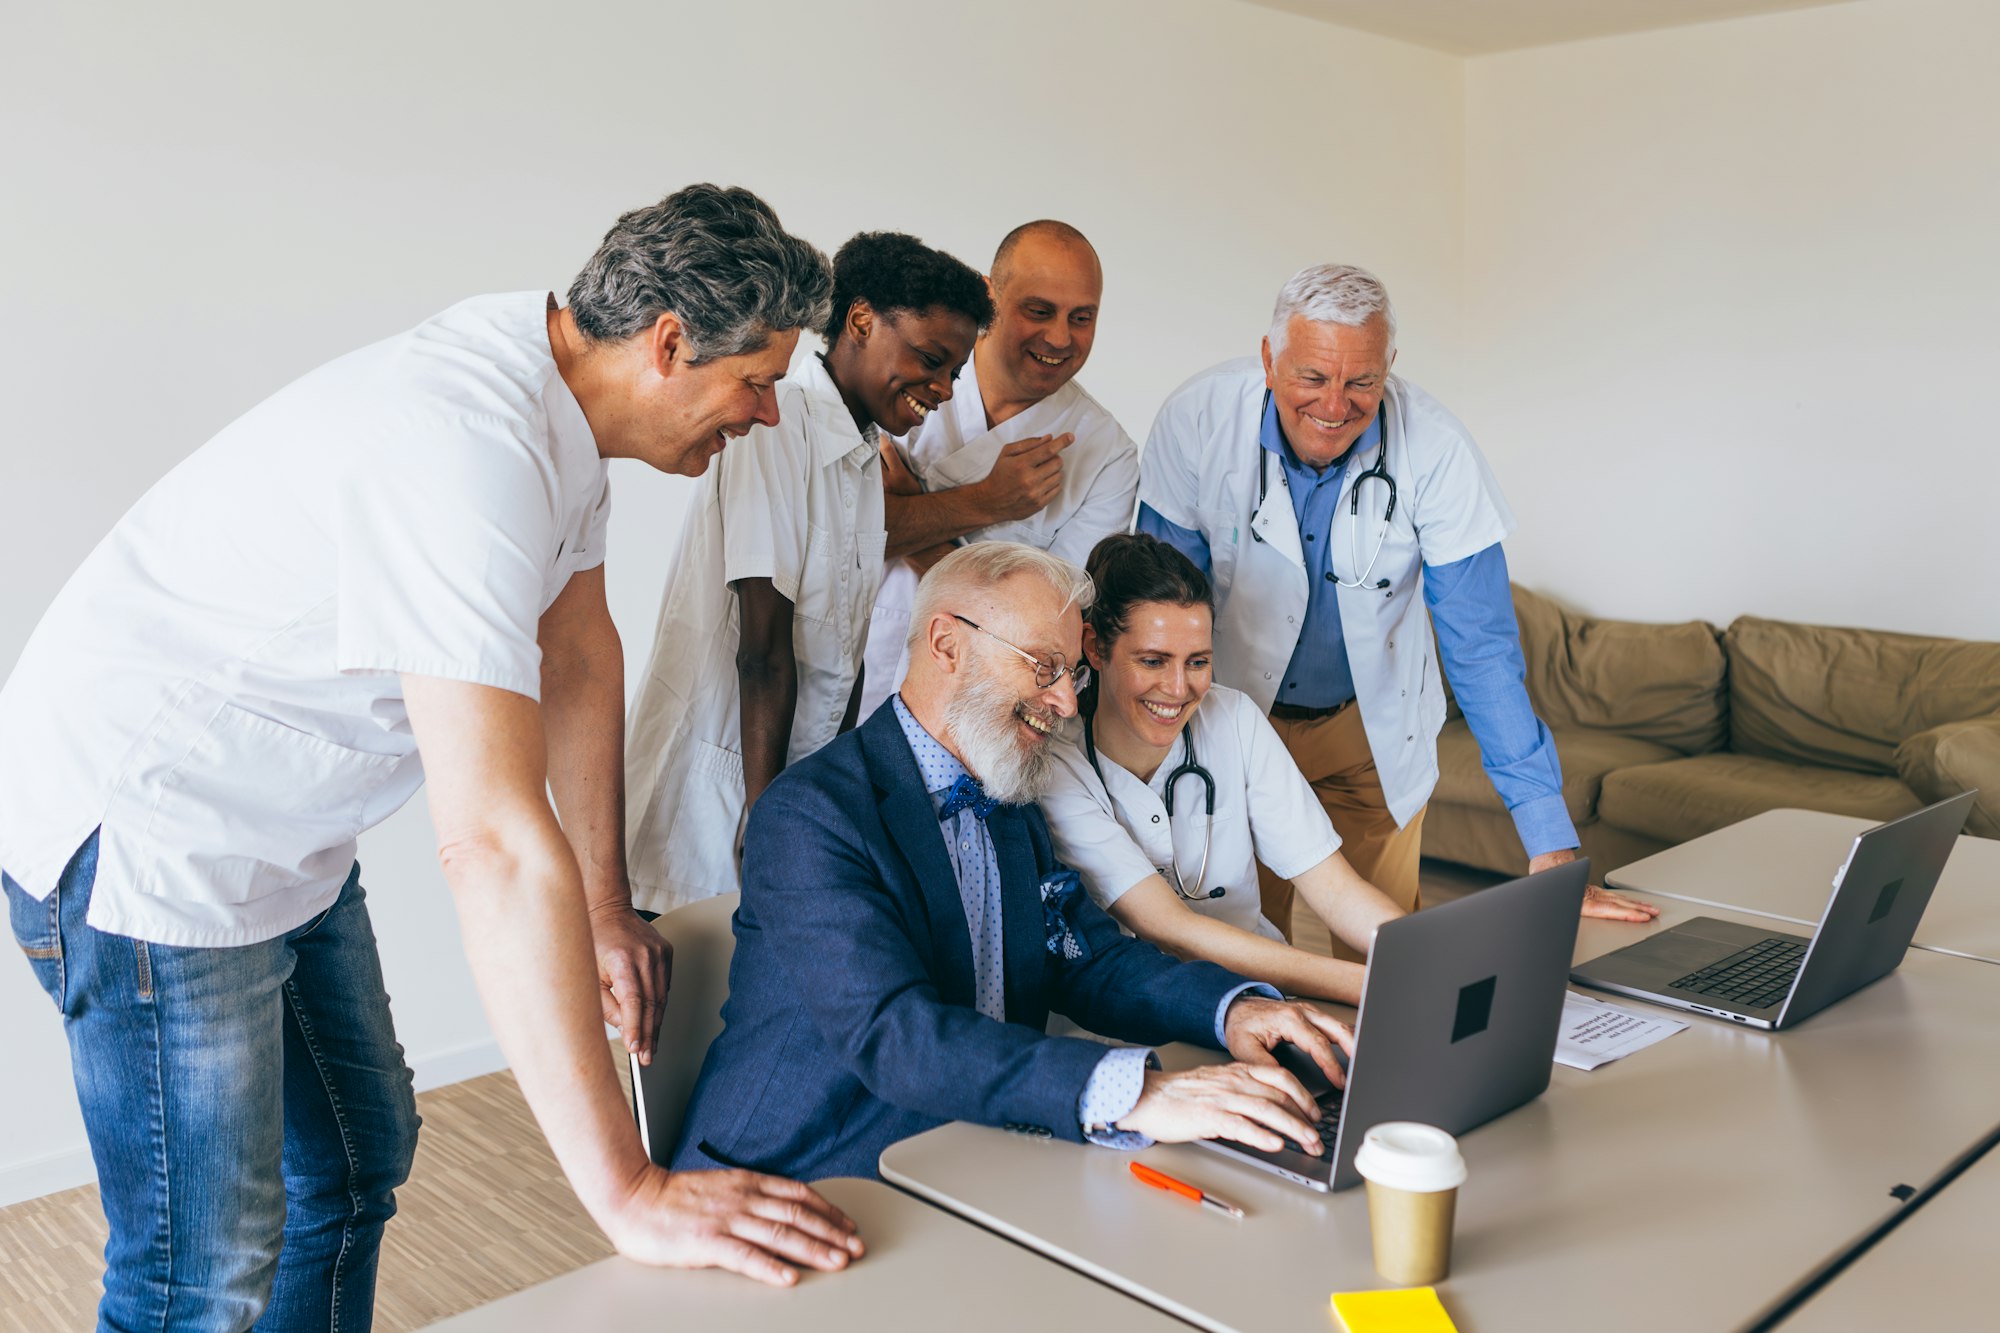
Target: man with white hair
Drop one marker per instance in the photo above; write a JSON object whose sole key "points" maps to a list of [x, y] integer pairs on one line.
{"points": [[1323, 494], [905, 929]]}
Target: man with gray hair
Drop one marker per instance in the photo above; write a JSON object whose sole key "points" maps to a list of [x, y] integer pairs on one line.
{"points": [[389, 570], [905, 930], [1334, 504]]}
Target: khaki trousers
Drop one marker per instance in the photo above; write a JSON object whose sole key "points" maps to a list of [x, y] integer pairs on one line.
{"points": [[1332, 752]]}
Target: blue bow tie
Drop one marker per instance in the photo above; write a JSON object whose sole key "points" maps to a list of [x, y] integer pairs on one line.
{"points": [[967, 794]]}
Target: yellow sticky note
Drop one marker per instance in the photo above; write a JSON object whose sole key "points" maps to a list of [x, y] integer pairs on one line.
{"points": [[1410, 1310]]}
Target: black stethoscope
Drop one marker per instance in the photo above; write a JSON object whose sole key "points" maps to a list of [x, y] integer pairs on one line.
{"points": [[1377, 471], [1189, 767]]}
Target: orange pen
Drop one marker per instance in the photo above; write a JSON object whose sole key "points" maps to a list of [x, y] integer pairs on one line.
{"points": [[1160, 1180]]}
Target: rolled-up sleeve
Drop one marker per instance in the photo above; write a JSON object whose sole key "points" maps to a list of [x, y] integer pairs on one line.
{"points": [[1479, 643]]}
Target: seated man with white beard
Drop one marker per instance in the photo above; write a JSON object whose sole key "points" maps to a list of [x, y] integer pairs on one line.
{"points": [[905, 930]]}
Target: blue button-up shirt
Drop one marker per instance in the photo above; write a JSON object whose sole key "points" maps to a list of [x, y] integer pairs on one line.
{"points": [[1479, 644], [1317, 676], [1115, 1085]]}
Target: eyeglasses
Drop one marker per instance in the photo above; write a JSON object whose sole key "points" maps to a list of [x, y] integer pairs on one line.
{"points": [[1047, 674]]}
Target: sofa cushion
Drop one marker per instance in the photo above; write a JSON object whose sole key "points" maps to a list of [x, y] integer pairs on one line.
{"points": [[1586, 757], [1659, 683], [1685, 798], [1956, 757], [1845, 698]]}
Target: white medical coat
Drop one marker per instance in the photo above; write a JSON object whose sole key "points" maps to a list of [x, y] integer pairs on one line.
{"points": [[1200, 470], [799, 504], [1116, 831]]}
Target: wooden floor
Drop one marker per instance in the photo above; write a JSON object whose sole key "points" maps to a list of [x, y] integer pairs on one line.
{"points": [[486, 1211]]}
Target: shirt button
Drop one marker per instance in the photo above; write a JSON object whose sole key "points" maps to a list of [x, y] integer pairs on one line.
{"points": [[1267, 675], [1291, 620], [1392, 642], [1156, 819]]}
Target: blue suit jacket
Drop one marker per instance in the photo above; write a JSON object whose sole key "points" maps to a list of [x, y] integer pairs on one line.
{"points": [[850, 1020]]}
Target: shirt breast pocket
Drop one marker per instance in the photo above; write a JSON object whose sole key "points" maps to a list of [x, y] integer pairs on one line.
{"points": [[258, 806]]}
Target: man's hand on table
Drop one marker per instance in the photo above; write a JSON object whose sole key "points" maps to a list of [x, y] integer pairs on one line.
{"points": [[1598, 901], [634, 966], [759, 1226]]}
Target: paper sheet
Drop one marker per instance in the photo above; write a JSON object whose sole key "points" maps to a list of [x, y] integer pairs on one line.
{"points": [[1595, 1033]]}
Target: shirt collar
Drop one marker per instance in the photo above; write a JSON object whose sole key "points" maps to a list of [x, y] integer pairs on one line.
{"points": [[1272, 436], [839, 436], [939, 766]]}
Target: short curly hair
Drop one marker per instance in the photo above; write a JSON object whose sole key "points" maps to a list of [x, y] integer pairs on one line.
{"points": [[894, 272]]}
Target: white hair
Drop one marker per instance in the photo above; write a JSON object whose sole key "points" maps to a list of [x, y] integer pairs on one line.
{"points": [[1332, 294], [981, 566]]}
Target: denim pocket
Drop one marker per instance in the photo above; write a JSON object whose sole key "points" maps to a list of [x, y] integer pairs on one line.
{"points": [[38, 930]]}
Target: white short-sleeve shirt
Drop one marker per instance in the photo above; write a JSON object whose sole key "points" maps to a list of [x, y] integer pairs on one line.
{"points": [[1115, 829], [799, 503], [955, 447], [217, 686]]}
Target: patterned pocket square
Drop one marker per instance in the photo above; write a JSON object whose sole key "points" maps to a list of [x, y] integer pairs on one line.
{"points": [[1062, 895]]}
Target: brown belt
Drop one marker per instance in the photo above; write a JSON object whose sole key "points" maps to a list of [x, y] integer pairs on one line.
{"points": [[1294, 713]]}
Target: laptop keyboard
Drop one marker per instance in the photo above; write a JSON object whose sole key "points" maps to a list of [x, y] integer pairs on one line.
{"points": [[1756, 978], [1328, 1124]]}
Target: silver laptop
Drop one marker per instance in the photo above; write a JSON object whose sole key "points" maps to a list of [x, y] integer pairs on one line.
{"points": [[1459, 1014], [1769, 979]]}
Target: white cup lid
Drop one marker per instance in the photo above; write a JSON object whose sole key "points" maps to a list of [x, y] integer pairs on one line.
{"points": [[1403, 1155]]}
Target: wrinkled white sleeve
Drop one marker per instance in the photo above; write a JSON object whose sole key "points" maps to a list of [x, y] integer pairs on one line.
{"points": [[1108, 504], [1088, 838], [762, 491], [441, 563]]}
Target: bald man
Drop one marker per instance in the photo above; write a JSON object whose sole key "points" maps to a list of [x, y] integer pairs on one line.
{"points": [[1021, 453]]}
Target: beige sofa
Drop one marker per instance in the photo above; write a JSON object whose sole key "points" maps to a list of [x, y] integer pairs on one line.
{"points": [[1668, 732]]}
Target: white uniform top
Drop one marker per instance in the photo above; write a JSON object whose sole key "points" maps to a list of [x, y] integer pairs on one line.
{"points": [[954, 447], [1201, 470], [799, 504], [216, 686], [1115, 830]]}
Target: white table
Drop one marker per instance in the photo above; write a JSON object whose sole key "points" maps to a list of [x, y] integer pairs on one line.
{"points": [[924, 1269], [1781, 864], [1689, 1186], [1935, 1270]]}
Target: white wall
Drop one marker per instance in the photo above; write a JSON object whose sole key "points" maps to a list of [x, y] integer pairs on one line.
{"points": [[1731, 297], [203, 202]]}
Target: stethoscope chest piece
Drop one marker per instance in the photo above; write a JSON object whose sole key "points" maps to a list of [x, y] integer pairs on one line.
{"points": [[1188, 767]]}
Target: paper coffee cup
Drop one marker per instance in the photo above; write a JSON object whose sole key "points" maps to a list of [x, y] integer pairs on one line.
{"points": [[1413, 1173]]}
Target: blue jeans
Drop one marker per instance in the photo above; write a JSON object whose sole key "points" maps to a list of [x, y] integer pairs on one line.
{"points": [[248, 1109]]}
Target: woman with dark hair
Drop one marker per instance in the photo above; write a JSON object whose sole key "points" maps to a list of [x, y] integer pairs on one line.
{"points": [[757, 659], [1178, 787]]}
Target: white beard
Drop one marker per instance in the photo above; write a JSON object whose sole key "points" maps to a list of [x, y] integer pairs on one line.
{"points": [[982, 721]]}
